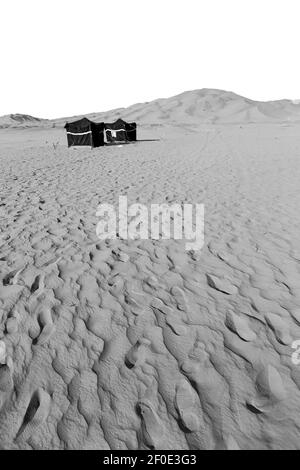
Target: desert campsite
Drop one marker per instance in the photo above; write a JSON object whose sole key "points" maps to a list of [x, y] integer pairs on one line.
{"points": [[86, 132], [149, 230]]}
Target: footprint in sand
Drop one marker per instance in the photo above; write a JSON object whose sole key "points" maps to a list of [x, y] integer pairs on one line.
{"points": [[124, 257], [176, 327], [270, 386], [46, 326], [117, 286], [12, 278], [222, 285], [6, 382], [198, 353], [152, 428], [280, 328], [36, 290], [227, 443], [191, 369], [137, 354], [12, 322], [159, 305], [152, 281], [296, 314], [240, 326], [185, 402], [2, 352], [121, 256], [38, 284], [136, 301], [269, 383], [36, 414], [9, 294], [180, 298], [11, 325]]}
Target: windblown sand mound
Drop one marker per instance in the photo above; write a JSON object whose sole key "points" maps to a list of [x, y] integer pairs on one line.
{"points": [[143, 345], [21, 120], [192, 108], [204, 106]]}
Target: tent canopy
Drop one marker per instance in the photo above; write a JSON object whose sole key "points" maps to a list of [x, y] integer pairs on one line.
{"points": [[131, 131], [120, 131], [85, 132]]}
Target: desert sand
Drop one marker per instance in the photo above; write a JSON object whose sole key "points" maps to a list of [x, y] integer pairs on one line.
{"points": [[122, 344]]}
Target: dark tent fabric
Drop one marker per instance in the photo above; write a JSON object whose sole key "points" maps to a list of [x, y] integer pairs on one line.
{"points": [[131, 131], [120, 130], [85, 132], [116, 131], [97, 133]]}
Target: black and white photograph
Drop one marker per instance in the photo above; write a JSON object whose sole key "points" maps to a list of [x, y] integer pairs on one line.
{"points": [[149, 228]]}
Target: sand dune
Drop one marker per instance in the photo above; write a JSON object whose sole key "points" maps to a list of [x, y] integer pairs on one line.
{"points": [[21, 121], [205, 106], [140, 344], [192, 107]]}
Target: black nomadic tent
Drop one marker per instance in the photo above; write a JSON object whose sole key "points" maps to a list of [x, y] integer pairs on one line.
{"points": [[120, 130], [131, 131], [85, 132]]}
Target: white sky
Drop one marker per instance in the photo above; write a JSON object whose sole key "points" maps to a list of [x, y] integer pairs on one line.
{"points": [[67, 57]]}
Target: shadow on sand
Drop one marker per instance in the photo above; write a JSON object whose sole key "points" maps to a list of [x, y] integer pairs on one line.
{"points": [[109, 144]]}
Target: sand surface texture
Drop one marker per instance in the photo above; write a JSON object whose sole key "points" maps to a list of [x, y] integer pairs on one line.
{"points": [[141, 344]]}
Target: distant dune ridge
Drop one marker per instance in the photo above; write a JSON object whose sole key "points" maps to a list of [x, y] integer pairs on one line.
{"points": [[140, 344], [21, 120], [191, 107]]}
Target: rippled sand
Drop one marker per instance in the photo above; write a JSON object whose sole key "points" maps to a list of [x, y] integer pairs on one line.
{"points": [[141, 344]]}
